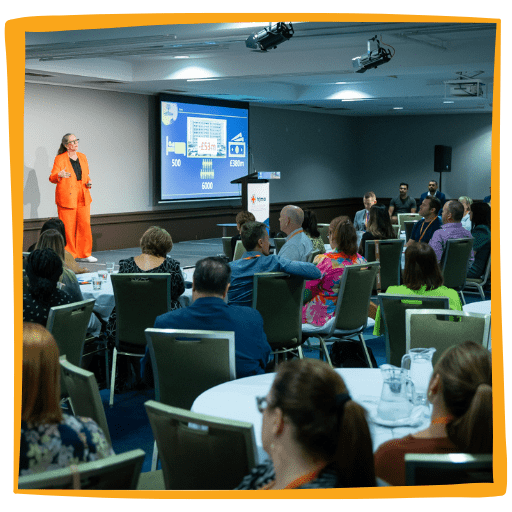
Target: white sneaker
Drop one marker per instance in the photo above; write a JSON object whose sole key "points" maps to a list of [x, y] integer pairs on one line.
{"points": [[90, 259]]}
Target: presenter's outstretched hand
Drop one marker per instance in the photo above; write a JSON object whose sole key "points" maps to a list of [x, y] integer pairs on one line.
{"points": [[64, 174], [88, 184]]}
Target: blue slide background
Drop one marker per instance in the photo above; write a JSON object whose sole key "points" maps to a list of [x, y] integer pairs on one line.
{"points": [[184, 181]]}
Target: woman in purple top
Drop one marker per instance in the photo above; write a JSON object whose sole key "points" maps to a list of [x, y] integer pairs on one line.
{"points": [[321, 295]]}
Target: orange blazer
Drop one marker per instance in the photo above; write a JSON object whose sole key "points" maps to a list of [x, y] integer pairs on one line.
{"points": [[66, 193]]}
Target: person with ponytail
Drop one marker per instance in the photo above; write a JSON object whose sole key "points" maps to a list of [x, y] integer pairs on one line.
{"points": [[460, 391], [315, 434], [70, 173], [53, 240], [43, 269]]}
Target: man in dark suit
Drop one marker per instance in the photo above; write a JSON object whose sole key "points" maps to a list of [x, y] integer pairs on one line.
{"points": [[209, 312], [433, 192]]}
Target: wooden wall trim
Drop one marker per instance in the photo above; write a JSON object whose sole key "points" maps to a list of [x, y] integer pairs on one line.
{"points": [[123, 230]]}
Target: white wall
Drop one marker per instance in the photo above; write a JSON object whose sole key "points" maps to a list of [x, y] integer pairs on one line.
{"points": [[394, 149], [114, 131], [320, 156]]}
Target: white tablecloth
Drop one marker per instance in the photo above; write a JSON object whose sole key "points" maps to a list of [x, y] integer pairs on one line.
{"points": [[236, 400], [483, 306]]}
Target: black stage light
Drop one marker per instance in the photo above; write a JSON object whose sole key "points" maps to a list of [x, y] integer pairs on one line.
{"points": [[269, 38], [373, 58]]}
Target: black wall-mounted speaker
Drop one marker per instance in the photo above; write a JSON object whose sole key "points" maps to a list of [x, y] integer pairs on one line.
{"points": [[442, 158]]}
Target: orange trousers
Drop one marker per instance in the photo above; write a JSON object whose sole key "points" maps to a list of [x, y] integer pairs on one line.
{"points": [[77, 223]]}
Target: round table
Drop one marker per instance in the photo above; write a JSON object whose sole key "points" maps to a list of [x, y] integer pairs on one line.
{"points": [[236, 400], [482, 306]]}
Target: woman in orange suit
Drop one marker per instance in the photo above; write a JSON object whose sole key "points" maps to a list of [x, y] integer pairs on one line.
{"points": [[71, 175]]}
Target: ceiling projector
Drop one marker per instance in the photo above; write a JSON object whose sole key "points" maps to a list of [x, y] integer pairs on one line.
{"points": [[269, 38], [372, 58]]}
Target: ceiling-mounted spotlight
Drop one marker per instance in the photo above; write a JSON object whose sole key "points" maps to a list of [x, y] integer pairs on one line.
{"points": [[269, 38], [372, 58]]}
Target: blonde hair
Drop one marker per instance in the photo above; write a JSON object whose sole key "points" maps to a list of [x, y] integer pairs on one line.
{"points": [[40, 394]]}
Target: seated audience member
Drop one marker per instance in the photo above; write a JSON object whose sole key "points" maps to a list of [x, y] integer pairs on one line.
{"points": [[481, 232], [69, 261], [453, 211], [460, 392], [322, 294], [315, 435], [209, 312], [422, 276], [379, 227], [401, 204], [257, 259], [466, 219], [155, 244], [309, 225], [44, 268], [434, 192], [298, 245], [425, 228], [241, 218], [362, 217], [50, 439], [53, 240]]}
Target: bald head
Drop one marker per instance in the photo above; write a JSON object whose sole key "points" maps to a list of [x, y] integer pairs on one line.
{"points": [[291, 218]]}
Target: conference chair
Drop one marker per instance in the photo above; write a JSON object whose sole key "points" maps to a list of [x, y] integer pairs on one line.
{"points": [[139, 299], [26, 282], [402, 217], [479, 283], [226, 247], [279, 298], [396, 229], [186, 363], [351, 315], [392, 311], [117, 472], [196, 458], [323, 229], [239, 250], [454, 264], [279, 242], [68, 325], [447, 468], [390, 260], [425, 328], [84, 394], [409, 225]]}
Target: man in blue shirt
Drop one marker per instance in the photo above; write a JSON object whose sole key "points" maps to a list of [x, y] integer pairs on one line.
{"points": [[434, 192], [256, 259], [424, 229], [298, 245], [209, 312]]}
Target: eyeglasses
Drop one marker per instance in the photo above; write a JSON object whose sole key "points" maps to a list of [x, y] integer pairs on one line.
{"points": [[261, 403], [72, 142]]}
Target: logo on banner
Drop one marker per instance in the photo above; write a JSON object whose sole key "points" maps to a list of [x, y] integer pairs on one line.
{"points": [[253, 199]]}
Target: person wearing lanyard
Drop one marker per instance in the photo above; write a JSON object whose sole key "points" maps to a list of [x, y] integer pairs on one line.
{"points": [[424, 229], [363, 216], [70, 173], [298, 245]]}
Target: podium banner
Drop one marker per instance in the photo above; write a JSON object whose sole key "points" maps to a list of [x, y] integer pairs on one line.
{"points": [[258, 201]]}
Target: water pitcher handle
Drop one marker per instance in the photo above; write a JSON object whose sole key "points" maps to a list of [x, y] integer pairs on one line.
{"points": [[411, 393], [405, 358]]}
